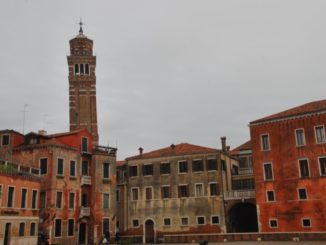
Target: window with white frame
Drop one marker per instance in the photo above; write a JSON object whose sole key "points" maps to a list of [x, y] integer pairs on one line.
{"points": [[32, 230], [214, 189], [23, 198], [183, 191], [211, 164], [21, 229], [165, 168], [134, 194], [302, 193], [58, 202], [268, 171], [57, 228], [135, 223], [215, 219], [166, 192], [322, 165], [197, 165], [84, 146], [183, 166], [147, 169], [34, 199], [320, 134], [299, 137], [72, 168], [71, 201], [106, 170], [60, 166], [10, 199], [44, 165], [199, 190], [106, 200], [306, 222], [273, 223], [148, 193], [42, 199], [270, 196], [200, 220], [265, 142], [167, 221], [304, 168], [184, 221]]}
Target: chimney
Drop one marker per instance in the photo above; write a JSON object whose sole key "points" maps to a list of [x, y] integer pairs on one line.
{"points": [[223, 142], [172, 146], [140, 151], [42, 132]]}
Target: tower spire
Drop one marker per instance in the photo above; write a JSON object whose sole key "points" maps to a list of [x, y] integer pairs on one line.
{"points": [[81, 26]]}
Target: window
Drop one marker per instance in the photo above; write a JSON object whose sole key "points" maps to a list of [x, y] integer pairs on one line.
{"points": [[84, 144], [211, 164], [23, 198], [213, 189], [199, 192], [42, 199], [322, 166], [57, 228], [106, 225], [133, 171], [243, 184], [106, 170], [87, 69], [268, 171], [299, 136], [147, 169], [197, 166], [183, 191], [302, 192], [44, 165], [167, 221], [0, 195], [81, 66], [270, 196], [166, 192], [215, 220], [32, 231], [183, 166], [34, 199], [304, 168], [58, 202], [134, 194], [71, 227], [320, 134], [184, 221], [273, 223], [5, 139], [85, 168], [21, 229], [84, 200], [265, 142], [76, 69], [200, 220], [71, 203], [149, 193], [60, 166], [306, 222], [106, 200], [117, 195], [165, 168], [72, 168], [135, 223], [11, 192]]}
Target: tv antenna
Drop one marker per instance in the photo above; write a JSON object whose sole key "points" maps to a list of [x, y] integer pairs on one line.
{"points": [[24, 116]]}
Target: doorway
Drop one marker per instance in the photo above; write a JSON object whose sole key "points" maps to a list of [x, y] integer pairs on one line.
{"points": [[6, 240], [242, 217], [82, 234], [149, 231]]}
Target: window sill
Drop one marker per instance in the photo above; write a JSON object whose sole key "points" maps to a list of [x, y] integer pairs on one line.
{"points": [[60, 176], [73, 177], [106, 181]]}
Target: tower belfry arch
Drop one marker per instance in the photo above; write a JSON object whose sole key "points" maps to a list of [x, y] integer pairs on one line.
{"points": [[82, 85]]}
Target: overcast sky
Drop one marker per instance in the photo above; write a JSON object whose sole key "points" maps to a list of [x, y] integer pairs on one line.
{"points": [[168, 71]]}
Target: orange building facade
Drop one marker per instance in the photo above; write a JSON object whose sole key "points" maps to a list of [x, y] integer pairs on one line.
{"points": [[289, 157]]}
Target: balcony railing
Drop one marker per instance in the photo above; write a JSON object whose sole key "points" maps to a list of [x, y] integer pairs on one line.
{"points": [[85, 212], [86, 180], [243, 171], [236, 195]]}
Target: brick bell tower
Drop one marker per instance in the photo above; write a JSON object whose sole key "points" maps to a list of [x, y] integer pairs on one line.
{"points": [[82, 85]]}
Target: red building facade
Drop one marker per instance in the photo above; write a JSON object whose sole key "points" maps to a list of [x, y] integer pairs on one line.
{"points": [[289, 156]]}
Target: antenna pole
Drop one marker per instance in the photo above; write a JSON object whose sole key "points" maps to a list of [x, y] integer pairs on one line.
{"points": [[24, 114]]}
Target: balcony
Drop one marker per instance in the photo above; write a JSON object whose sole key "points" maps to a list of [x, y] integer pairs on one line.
{"points": [[85, 212], [239, 195], [243, 172], [86, 180]]}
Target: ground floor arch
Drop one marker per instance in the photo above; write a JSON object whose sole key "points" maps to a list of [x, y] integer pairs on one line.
{"points": [[149, 232], [242, 217]]}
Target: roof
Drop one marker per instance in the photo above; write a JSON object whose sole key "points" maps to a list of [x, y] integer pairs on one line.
{"points": [[66, 133], [244, 146], [312, 107], [120, 163], [175, 150]]}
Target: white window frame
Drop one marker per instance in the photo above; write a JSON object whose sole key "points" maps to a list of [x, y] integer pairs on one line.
{"points": [[132, 223], [200, 217], [1, 194], [72, 160], [54, 225], [306, 218], [202, 190], [197, 159], [188, 191], [209, 187], [63, 164], [167, 218], [103, 194], [170, 196], [303, 188], [73, 230], [267, 200], [296, 137], [265, 163], [45, 201], [26, 198], [30, 226], [219, 220], [56, 197], [74, 206], [323, 134], [87, 150], [166, 162], [47, 165], [213, 170], [320, 173], [106, 178], [184, 217], [131, 193], [270, 225], [262, 142], [299, 169], [23, 222], [36, 201], [2, 139], [152, 192], [13, 196]]}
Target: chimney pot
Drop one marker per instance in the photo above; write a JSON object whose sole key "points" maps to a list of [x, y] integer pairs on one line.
{"points": [[140, 151], [223, 142], [172, 146]]}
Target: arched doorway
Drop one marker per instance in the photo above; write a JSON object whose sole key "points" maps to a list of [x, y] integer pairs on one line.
{"points": [[242, 217], [149, 231]]}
